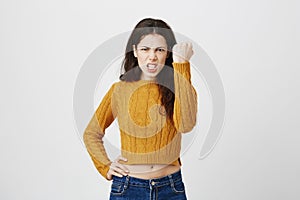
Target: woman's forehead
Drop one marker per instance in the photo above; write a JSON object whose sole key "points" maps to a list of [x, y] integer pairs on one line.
{"points": [[153, 40]]}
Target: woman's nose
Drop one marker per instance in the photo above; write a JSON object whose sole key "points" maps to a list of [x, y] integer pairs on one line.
{"points": [[152, 55]]}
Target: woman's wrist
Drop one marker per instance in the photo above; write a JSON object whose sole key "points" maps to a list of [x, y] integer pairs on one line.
{"points": [[180, 60]]}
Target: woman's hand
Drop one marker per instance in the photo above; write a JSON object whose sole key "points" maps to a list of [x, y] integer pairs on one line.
{"points": [[182, 52], [117, 168]]}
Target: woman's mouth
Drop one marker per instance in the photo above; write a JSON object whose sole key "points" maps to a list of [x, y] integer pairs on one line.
{"points": [[151, 68]]}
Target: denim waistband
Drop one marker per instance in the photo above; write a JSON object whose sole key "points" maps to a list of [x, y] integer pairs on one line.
{"points": [[168, 179]]}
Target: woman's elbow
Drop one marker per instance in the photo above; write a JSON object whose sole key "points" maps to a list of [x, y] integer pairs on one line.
{"points": [[187, 126]]}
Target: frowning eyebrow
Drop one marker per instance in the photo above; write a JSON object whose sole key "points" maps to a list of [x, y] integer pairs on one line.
{"points": [[153, 47]]}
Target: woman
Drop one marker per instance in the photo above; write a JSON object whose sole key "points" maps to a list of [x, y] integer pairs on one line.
{"points": [[154, 103]]}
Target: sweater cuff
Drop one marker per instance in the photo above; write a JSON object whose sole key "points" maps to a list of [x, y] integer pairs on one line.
{"points": [[104, 171], [183, 69], [102, 168]]}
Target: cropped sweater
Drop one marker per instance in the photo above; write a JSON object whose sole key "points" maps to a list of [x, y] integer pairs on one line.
{"points": [[147, 134]]}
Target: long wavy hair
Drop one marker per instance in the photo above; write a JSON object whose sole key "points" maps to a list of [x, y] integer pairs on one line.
{"points": [[165, 78]]}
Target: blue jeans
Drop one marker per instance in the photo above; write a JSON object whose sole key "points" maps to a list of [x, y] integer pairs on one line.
{"points": [[170, 187]]}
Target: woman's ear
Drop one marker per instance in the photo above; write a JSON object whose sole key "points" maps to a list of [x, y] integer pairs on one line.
{"points": [[134, 50]]}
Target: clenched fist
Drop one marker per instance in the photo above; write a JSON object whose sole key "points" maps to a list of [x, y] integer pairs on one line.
{"points": [[182, 52]]}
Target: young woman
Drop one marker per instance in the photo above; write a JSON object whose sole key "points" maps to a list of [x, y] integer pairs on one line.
{"points": [[154, 103]]}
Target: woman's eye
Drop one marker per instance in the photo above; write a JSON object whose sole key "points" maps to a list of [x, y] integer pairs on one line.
{"points": [[143, 49], [161, 50]]}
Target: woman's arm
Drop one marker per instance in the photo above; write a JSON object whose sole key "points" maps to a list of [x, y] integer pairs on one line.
{"points": [[95, 131], [185, 104]]}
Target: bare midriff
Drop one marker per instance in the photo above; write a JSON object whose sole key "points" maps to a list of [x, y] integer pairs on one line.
{"points": [[149, 171]]}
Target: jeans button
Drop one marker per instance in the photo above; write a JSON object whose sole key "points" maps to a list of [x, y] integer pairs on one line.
{"points": [[152, 183]]}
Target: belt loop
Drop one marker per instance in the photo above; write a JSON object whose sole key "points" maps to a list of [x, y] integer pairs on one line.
{"points": [[150, 184], [126, 182]]}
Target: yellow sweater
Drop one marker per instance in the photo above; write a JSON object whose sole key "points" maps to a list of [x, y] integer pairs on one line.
{"points": [[147, 135]]}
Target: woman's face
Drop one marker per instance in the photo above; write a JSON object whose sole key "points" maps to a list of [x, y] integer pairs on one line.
{"points": [[151, 54]]}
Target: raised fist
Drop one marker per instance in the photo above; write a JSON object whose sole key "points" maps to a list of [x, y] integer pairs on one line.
{"points": [[182, 52]]}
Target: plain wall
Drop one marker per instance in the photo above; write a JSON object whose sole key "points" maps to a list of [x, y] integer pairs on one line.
{"points": [[253, 44]]}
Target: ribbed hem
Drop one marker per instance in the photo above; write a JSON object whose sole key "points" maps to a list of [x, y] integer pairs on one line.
{"points": [[148, 158]]}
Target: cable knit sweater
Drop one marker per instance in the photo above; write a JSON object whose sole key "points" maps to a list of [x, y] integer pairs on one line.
{"points": [[147, 135]]}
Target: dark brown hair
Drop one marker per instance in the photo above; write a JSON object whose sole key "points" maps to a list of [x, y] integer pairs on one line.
{"points": [[165, 78]]}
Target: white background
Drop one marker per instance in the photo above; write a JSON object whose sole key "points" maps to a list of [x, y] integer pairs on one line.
{"points": [[253, 44]]}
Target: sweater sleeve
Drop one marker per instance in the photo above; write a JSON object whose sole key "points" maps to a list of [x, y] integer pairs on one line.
{"points": [[185, 103], [95, 131]]}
